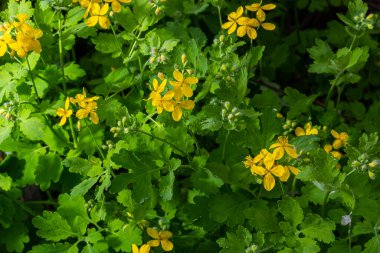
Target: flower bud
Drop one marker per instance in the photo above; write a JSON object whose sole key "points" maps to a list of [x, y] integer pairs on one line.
{"points": [[221, 38], [370, 16], [163, 58], [371, 175], [126, 130], [79, 126], [346, 220], [183, 59], [374, 163], [230, 116], [370, 26], [152, 59], [161, 75], [227, 105], [124, 119], [279, 115], [223, 67], [234, 110], [355, 164], [157, 11]]}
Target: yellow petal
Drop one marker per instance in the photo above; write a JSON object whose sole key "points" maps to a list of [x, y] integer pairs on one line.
{"points": [[260, 15], [269, 182], [169, 95], [135, 249], [116, 7], [92, 21], [94, 117], [286, 175], [104, 22], [258, 158], [154, 243], [241, 31], [82, 113], [177, 113], [337, 144], [242, 21], [227, 25], [104, 9], [167, 245], [95, 9], [275, 145], [239, 12], [279, 153], [178, 76], [268, 7], [258, 170], [145, 248], [294, 170], [232, 28], [269, 161], [3, 48], [251, 32], [187, 104], [278, 170], [168, 105], [165, 234], [314, 131], [327, 148], [336, 154], [155, 84], [191, 80], [186, 90], [335, 134], [125, 1], [162, 86], [177, 93], [268, 26], [63, 121], [253, 22], [253, 7], [153, 233], [299, 131], [291, 152]]}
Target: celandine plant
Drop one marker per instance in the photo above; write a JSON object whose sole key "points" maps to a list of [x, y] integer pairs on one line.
{"points": [[189, 126]]}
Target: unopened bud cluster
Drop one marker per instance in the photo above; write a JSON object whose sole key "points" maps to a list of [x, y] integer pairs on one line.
{"points": [[289, 126], [363, 22], [232, 115], [364, 164], [157, 56], [121, 127], [157, 6], [6, 110], [109, 145]]}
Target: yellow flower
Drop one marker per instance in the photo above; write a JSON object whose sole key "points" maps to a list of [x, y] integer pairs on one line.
{"points": [[287, 170], [21, 25], [64, 113], [256, 7], [82, 99], [116, 6], [185, 104], [144, 248], [269, 169], [247, 26], [267, 26], [341, 139], [164, 102], [231, 24], [98, 16], [260, 156], [336, 154], [89, 108], [24, 44], [283, 146], [181, 86], [88, 4], [5, 39], [248, 162], [157, 89], [307, 131], [160, 237]]}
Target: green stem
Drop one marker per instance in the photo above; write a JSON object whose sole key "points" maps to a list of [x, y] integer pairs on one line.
{"points": [[73, 133], [329, 93], [160, 139], [294, 186], [41, 202], [352, 43], [34, 84], [224, 146], [134, 44], [117, 41], [325, 200], [220, 15], [60, 48], [196, 142], [96, 143], [349, 238]]}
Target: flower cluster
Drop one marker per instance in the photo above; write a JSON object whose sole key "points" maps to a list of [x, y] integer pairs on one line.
{"points": [[308, 130], [20, 37], [161, 237], [175, 99], [265, 163], [249, 26], [87, 108], [98, 11], [341, 139]]}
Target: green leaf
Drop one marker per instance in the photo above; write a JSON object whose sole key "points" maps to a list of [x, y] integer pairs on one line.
{"points": [[84, 186], [235, 242], [123, 239], [52, 226], [261, 217], [5, 132], [22, 6], [33, 128], [228, 208], [105, 43], [316, 227], [297, 102], [82, 166], [72, 206], [291, 210], [15, 237], [49, 170], [85, 140], [51, 248], [373, 245], [73, 71], [5, 182]]}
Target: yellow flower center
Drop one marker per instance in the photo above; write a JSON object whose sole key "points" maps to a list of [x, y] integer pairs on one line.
{"points": [[283, 140]]}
